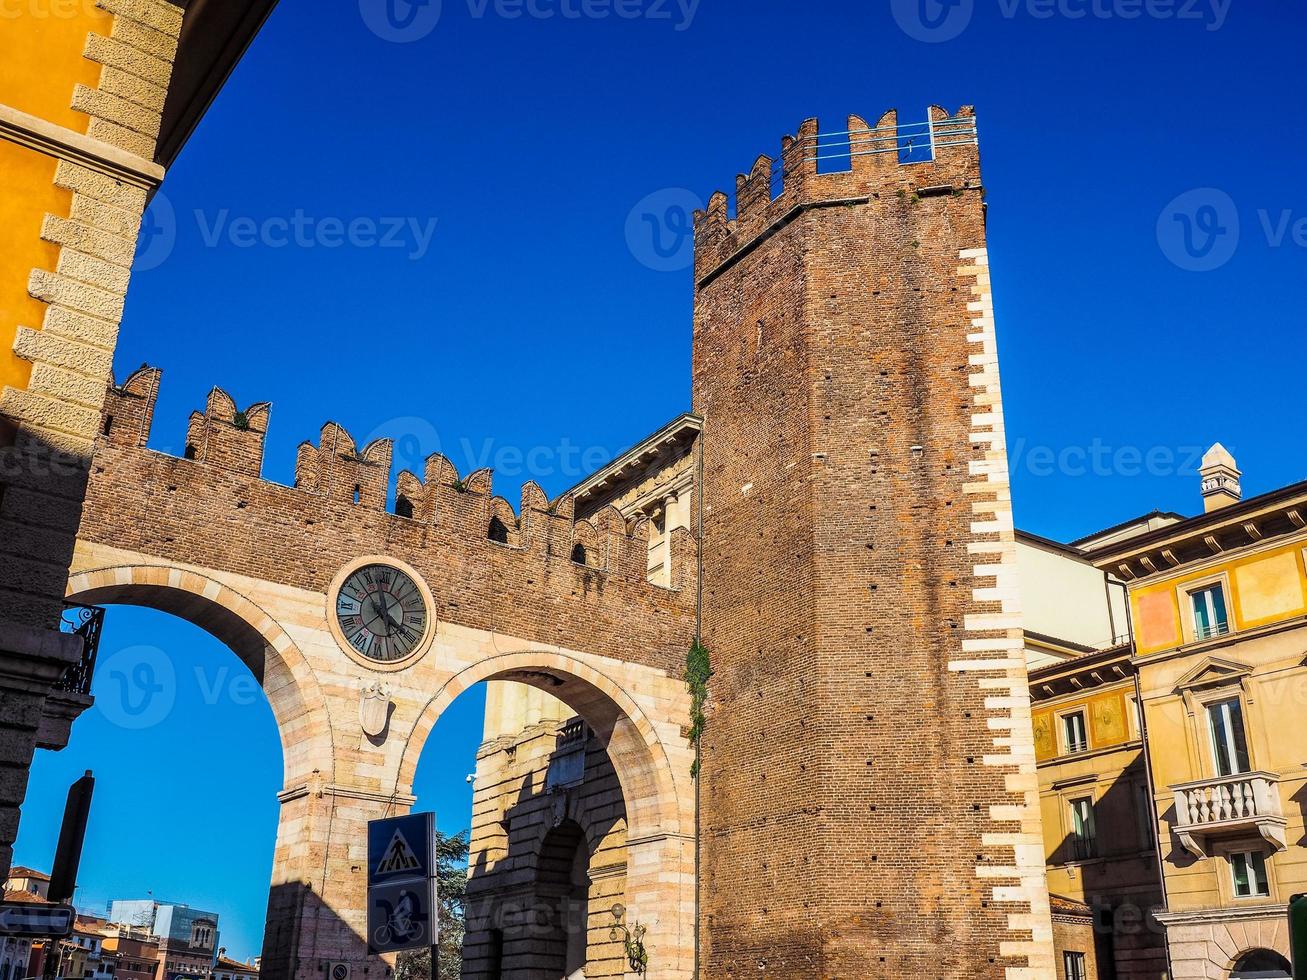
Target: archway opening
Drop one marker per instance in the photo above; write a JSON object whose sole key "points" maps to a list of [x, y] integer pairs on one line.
{"points": [[185, 750], [1261, 963], [548, 818]]}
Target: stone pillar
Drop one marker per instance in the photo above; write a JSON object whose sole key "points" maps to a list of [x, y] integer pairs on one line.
{"points": [[317, 902], [31, 660], [78, 162]]}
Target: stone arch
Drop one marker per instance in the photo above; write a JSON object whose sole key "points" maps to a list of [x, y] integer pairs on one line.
{"points": [[636, 751], [297, 702], [659, 829]]}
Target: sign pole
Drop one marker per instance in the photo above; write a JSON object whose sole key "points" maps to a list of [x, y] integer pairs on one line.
{"points": [[68, 854]]}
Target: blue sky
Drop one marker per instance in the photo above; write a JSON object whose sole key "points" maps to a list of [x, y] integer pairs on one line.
{"points": [[522, 315]]}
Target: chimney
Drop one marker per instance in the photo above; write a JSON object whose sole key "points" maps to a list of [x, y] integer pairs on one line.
{"points": [[1220, 479]]}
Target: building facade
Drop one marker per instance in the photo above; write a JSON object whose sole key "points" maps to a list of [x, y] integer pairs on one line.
{"points": [[187, 937]]}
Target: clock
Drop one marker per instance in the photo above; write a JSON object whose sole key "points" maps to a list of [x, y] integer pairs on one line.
{"points": [[381, 613]]}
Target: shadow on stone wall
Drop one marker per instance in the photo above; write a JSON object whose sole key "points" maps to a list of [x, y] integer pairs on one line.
{"points": [[546, 904]]}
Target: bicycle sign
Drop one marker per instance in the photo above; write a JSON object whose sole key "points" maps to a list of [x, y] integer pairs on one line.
{"points": [[401, 883]]}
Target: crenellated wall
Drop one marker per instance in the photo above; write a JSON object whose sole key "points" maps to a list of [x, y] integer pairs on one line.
{"points": [[256, 563], [212, 508]]}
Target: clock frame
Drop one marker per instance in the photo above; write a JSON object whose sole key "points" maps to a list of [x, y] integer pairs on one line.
{"points": [[342, 604]]}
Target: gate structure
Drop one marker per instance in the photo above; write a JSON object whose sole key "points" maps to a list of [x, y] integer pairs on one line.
{"points": [[261, 566], [869, 801]]}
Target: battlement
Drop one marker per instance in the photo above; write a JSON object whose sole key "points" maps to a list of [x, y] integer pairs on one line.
{"points": [[336, 476], [862, 162]]}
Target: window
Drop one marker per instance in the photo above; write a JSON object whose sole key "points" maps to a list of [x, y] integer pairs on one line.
{"points": [[1082, 828], [1229, 743], [1249, 871], [1209, 612], [1074, 737], [498, 531], [578, 554], [1073, 966], [403, 507]]}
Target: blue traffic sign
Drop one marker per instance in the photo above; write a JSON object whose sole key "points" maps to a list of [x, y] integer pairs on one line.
{"points": [[402, 895], [402, 915], [401, 847]]}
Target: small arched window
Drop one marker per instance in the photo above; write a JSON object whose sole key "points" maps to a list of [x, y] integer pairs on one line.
{"points": [[403, 506], [578, 553], [1261, 963], [189, 451], [498, 531]]}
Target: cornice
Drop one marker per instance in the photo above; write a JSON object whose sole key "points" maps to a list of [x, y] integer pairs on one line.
{"points": [[62, 143]]}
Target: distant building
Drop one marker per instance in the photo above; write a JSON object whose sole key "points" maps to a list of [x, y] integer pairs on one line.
{"points": [[135, 953], [188, 937], [1171, 767], [27, 880], [16, 954], [228, 969]]}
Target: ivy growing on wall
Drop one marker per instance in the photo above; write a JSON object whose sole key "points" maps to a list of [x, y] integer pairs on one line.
{"points": [[698, 671]]}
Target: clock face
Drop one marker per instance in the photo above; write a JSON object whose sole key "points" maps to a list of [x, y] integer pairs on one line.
{"points": [[381, 613]]}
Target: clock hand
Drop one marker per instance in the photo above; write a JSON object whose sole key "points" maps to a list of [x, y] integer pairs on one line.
{"points": [[383, 607]]}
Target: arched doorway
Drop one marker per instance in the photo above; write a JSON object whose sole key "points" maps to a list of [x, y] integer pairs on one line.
{"points": [[242, 626], [550, 924], [562, 891], [188, 763], [292, 692], [1257, 964]]}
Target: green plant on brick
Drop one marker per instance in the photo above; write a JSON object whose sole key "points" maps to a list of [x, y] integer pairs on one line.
{"points": [[698, 671]]}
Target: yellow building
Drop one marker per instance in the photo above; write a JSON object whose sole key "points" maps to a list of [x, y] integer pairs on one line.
{"points": [[1172, 771], [91, 113], [1219, 604]]}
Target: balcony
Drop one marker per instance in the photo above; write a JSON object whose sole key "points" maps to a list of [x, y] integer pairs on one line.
{"points": [[83, 621], [70, 695], [1084, 848], [1208, 809], [1219, 628]]}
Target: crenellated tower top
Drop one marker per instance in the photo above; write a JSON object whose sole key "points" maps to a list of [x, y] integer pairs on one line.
{"points": [[861, 162]]}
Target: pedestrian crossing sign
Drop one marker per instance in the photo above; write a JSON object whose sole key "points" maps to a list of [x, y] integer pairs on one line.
{"points": [[398, 857], [401, 848]]}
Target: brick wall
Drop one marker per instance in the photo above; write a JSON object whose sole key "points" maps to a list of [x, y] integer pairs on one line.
{"points": [[869, 801]]}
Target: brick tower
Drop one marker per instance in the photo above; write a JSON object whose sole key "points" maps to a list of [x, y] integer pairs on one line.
{"points": [[869, 804]]}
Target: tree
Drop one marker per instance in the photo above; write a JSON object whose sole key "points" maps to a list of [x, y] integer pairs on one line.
{"points": [[451, 878]]}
